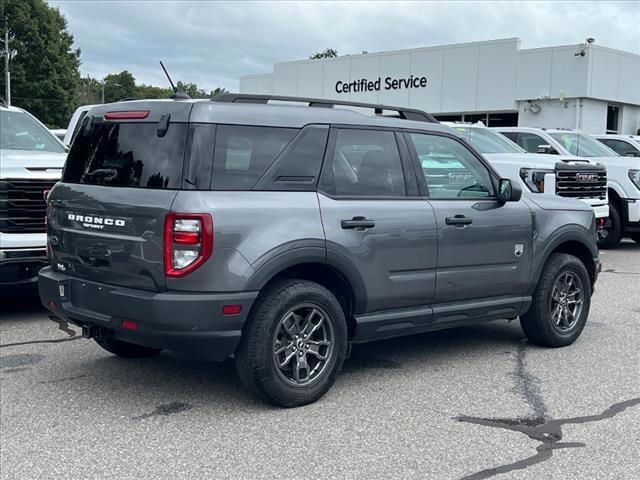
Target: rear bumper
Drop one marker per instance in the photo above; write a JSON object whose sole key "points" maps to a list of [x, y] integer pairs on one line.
{"points": [[188, 323], [19, 267]]}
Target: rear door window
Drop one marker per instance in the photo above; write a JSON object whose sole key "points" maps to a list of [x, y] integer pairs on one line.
{"points": [[120, 154], [242, 154], [365, 163], [530, 142]]}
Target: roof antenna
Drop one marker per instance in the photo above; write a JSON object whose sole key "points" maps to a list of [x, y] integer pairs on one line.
{"points": [[178, 94]]}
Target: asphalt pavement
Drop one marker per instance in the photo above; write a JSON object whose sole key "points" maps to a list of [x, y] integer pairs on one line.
{"points": [[474, 402]]}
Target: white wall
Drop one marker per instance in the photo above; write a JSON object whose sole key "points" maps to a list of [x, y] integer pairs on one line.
{"points": [[553, 114], [594, 117], [630, 121]]}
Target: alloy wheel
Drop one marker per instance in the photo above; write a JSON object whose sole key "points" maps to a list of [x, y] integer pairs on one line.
{"points": [[303, 344], [566, 301]]}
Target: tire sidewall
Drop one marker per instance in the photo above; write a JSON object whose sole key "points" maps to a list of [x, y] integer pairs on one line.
{"points": [[567, 264], [270, 383], [614, 234]]}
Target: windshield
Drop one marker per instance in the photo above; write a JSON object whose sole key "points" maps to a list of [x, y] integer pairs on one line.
{"points": [[19, 131], [488, 141], [582, 145]]}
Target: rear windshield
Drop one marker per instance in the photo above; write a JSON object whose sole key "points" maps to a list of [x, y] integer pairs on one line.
{"points": [[127, 155]]}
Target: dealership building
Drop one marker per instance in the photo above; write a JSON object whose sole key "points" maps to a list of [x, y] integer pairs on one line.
{"points": [[585, 86]]}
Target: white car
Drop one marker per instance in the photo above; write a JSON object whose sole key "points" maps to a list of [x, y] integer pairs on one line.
{"points": [[59, 133], [75, 122], [624, 145], [623, 174], [540, 174], [31, 161]]}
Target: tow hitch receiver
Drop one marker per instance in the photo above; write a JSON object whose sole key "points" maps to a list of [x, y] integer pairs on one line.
{"points": [[89, 331]]}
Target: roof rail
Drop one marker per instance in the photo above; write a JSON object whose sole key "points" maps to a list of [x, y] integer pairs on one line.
{"points": [[405, 113]]}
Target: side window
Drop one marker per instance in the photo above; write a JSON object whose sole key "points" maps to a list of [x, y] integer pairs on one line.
{"points": [[242, 154], [450, 169], [622, 148], [199, 156], [530, 141], [513, 136], [299, 165], [366, 163]]}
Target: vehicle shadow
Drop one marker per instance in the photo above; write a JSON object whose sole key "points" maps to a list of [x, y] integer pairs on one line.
{"points": [[160, 383], [20, 303]]}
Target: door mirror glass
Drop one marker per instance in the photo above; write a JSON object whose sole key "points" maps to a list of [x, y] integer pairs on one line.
{"points": [[548, 149], [508, 191]]}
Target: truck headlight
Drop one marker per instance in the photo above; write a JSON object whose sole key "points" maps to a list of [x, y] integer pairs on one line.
{"points": [[534, 178], [634, 176]]}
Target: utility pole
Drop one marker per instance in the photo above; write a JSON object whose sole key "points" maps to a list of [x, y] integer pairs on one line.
{"points": [[7, 75]]}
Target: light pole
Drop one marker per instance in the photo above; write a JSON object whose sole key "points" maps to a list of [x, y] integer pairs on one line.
{"points": [[103, 84], [7, 74]]}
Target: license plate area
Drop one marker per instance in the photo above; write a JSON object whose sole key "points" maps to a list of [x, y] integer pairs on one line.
{"points": [[89, 296]]}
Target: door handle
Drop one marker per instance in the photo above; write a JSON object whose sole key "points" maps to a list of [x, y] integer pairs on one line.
{"points": [[357, 223], [458, 220]]}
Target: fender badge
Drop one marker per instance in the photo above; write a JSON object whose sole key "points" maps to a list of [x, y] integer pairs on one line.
{"points": [[518, 250]]}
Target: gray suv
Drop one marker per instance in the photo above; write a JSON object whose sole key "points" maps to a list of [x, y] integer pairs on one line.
{"points": [[282, 233]]}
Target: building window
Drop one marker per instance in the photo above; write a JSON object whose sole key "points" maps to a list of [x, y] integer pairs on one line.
{"points": [[613, 114], [449, 118], [503, 120]]}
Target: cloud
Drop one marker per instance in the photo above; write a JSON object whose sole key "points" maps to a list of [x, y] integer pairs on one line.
{"points": [[214, 43]]}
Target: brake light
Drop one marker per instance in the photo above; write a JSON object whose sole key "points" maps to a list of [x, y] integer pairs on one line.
{"points": [[127, 115], [188, 242]]}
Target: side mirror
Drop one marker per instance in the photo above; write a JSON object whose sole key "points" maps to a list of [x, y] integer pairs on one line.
{"points": [[508, 191], [548, 149]]}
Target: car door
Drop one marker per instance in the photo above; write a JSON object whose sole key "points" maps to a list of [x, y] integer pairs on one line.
{"points": [[374, 219], [484, 246]]}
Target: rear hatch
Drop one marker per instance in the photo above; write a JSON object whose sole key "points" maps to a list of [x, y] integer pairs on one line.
{"points": [[122, 174]]}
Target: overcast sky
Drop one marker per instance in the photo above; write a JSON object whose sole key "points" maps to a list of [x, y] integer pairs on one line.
{"points": [[214, 43]]}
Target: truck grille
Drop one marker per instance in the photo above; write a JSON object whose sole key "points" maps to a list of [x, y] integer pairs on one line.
{"points": [[22, 206], [582, 184]]}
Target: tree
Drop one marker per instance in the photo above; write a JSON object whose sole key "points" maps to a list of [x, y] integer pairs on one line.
{"points": [[118, 86], [45, 76], [218, 91], [328, 53]]}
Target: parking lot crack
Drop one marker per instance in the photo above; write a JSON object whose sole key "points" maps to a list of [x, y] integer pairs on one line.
{"points": [[62, 325]]}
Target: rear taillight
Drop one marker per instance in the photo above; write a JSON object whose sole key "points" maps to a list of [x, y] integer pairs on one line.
{"points": [[188, 242], [45, 195]]}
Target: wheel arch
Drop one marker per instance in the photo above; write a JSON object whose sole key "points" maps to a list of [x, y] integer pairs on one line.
{"points": [[335, 273], [572, 243]]}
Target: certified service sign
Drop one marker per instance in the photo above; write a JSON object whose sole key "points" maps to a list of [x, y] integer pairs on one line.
{"points": [[388, 83]]}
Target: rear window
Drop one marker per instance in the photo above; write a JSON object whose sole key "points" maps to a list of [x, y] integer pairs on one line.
{"points": [[122, 154], [242, 154]]}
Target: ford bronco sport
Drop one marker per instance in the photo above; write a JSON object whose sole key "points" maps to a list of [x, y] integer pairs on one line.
{"points": [[281, 234]]}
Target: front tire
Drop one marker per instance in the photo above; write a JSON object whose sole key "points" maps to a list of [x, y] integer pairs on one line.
{"points": [[614, 231], [293, 345], [126, 349], [561, 303]]}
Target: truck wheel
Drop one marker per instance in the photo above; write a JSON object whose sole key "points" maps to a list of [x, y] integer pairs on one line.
{"points": [[612, 233], [293, 345], [636, 237], [126, 349], [560, 303]]}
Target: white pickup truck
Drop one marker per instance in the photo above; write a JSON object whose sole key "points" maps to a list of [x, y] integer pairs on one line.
{"points": [[31, 161], [623, 174], [541, 174]]}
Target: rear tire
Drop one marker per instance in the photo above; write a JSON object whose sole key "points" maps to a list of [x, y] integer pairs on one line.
{"points": [[614, 231], [126, 349], [294, 344], [561, 303]]}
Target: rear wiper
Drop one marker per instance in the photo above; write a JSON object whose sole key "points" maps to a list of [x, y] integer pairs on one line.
{"points": [[105, 173]]}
